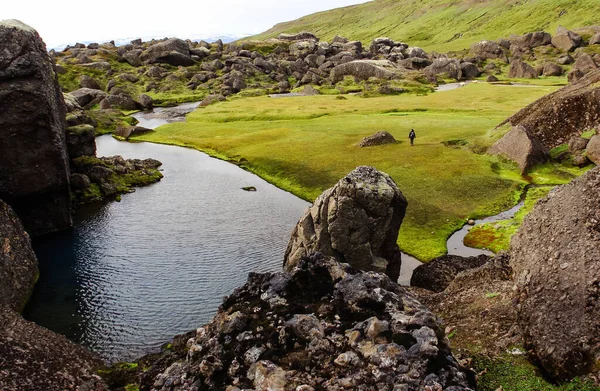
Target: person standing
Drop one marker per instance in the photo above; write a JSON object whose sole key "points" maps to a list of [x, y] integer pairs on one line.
{"points": [[412, 136]]}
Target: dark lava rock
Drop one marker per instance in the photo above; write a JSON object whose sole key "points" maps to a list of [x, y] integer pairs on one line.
{"points": [[80, 181], [85, 96], [87, 82], [521, 70], [81, 141], [555, 256], [322, 326], [487, 50], [520, 146], [146, 102], [18, 264], [437, 274], [378, 138], [34, 173], [555, 118], [356, 221], [121, 101]]}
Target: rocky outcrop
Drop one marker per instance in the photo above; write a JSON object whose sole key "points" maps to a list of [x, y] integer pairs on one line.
{"points": [[81, 141], [303, 36], [378, 138], [34, 174], [18, 264], [555, 118], [322, 325], [356, 221], [557, 275], [532, 40], [362, 70], [437, 274], [520, 146]]}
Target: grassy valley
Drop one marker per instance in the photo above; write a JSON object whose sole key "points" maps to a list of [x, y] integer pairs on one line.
{"points": [[443, 25]]}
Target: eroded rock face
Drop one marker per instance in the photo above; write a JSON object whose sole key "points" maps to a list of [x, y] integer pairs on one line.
{"points": [[520, 146], [555, 118], [34, 174], [323, 326], [18, 263], [356, 221], [557, 274]]}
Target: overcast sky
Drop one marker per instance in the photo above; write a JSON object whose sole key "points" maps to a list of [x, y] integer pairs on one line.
{"points": [[69, 21]]}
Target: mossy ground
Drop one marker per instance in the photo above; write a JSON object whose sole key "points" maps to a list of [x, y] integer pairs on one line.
{"points": [[517, 373], [305, 144]]}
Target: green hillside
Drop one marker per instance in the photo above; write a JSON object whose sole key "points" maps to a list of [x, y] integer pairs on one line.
{"points": [[443, 25]]}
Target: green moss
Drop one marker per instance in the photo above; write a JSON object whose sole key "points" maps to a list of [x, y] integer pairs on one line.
{"points": [[132, 387], [516, 373], [589, 133]]}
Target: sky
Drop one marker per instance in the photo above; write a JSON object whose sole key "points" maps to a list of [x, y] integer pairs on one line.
{"points": [[62, 22]]}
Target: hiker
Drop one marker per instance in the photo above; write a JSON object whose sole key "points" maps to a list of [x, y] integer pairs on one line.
{"points": [[412, 136]]}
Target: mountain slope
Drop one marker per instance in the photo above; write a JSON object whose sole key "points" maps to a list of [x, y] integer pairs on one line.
{"points": [[443, 25]]}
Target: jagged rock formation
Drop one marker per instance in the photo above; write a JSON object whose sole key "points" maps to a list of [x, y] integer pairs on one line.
{"points": [[557, 275], [437, 274], [323, 325], [356, 221], [522, 147], [31, 357], [34, 174], [379, 138], [18, 263], [570, 111]]}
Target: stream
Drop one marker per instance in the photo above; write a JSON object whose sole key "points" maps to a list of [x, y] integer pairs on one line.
{"points": [[132, 274]]}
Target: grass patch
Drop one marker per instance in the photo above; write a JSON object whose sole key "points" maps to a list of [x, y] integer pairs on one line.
{"points": [[516, 373], [305, 144]]}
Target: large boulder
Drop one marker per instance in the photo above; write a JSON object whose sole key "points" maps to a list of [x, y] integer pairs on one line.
{"points": [[487, 50], [595, 40], [582, 66], [87, 96], [356, 221], [444, 67], [81, 141], [592, 150], [552, 69], [555, 118], [321, 326], [532, 40], [363, 70], [566, 40], [555, 256], [437, 274], [173, 51], [520, 146], [18, 264], [34, 173], [521, 70], [378, 138]]}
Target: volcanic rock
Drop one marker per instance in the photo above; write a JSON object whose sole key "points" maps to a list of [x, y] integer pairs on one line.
{"points": [[34, 173], [522, 147], [129, 131], [356, 221], [378, 138], [555, 256], [437, 274], [173, 51], [324, 325], [566, 40], [555, 118], [81, 141], [362, 70], [303, 36], [521, 70], [593, 150], [487, 50]]}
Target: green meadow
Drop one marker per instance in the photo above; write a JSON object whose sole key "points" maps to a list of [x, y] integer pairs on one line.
{"points": [[306, 144]]}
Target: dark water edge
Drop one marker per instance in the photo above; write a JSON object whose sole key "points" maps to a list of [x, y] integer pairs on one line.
{"points": [[132, 274]]}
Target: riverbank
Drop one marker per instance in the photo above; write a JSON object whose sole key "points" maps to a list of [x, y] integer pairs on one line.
{"points": [[304, 144]]}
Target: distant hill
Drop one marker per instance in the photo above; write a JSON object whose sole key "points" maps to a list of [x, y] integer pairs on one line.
{"points": [[443, 25]]}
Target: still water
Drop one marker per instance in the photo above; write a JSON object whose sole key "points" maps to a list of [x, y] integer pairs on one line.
{"points": [[132, 274]]}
